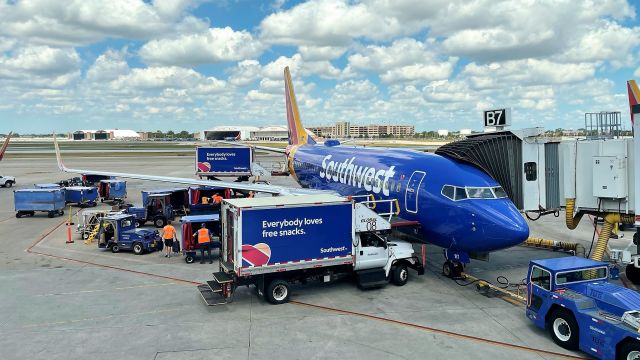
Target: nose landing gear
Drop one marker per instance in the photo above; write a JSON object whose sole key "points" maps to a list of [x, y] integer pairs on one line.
{"points": [[452, 269]]}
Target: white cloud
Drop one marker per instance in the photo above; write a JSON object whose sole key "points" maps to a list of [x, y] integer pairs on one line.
{"points": [[245, 73], [214, 46], [79, 22], [318, 53], [168, 77], [40, 66], [108, 66]]}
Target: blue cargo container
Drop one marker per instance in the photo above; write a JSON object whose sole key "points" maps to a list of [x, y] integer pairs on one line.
{"points": [[223, 161], [28, 201], [81, 195], [112, 190], [191, 224], [47, 186]]}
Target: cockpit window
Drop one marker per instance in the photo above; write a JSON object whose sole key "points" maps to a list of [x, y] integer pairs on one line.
{"points": [[480, 193], [460, 193], [500, 193], [448, 191]]}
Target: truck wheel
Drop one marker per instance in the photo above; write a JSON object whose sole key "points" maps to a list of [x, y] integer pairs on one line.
{"points": [[159, 221], [189, 259], [447, 269], [8, 184], [115, 248], [138, 249], [633, 274], [85, 235], [400, 274], [564, 329], [51, 214], [61, 212], [19, 214], [278, 292], [630, 350]]}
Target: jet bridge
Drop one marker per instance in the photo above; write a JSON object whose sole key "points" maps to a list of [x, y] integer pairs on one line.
{"points": [[523, 162]]}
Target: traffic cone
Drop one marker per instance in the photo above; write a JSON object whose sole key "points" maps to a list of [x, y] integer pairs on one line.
{"points": [[69, 239]]}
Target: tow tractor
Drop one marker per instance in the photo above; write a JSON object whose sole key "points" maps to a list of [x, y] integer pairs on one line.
{"points": [[572, 298], [156, 208], [274, 242], [118, 232], [7, 181]]}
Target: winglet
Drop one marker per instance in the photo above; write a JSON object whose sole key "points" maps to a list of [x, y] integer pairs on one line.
{"points": [[297, 133], [5, 145], [58, 156], [634, 98]]}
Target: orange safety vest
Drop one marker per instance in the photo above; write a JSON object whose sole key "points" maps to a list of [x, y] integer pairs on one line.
{"points": [[203, 236], [217, 199], [205, 200]]}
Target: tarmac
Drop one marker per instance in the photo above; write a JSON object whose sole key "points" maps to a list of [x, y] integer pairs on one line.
{"points": [[75, 301]]}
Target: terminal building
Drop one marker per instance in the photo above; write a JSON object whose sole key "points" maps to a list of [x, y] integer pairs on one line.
{"points": [[344, 129], [267, 133]]}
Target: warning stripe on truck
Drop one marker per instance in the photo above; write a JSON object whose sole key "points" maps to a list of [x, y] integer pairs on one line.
{"points": [[295, 265]]}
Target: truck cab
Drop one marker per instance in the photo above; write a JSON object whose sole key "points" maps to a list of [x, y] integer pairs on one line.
{"points": [[572, 298], [118, 232], [7, 181], [156, 208]]}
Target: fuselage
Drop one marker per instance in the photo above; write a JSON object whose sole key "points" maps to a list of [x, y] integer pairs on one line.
{"points": [[458, 206]]}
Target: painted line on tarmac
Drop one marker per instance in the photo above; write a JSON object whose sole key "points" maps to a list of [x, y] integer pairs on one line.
{"points": [[73, 321], [102, 290], [320, 307], [440, 331]]}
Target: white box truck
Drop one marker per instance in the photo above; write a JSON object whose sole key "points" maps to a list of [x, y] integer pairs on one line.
{"points": [[272, 242]]}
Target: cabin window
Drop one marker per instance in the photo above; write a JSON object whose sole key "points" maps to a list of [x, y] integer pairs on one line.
{"points": [[448, 191], [541, 278], [581, 275], [500, 193]]}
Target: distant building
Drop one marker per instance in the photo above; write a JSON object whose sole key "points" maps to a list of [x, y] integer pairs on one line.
{"points": [[115, 134], [270, 133], [443, 132], [344, 129], [465, 132], [228, 132]]}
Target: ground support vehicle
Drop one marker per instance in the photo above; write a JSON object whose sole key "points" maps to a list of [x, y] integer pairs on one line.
{"points": [[88, 219], [273, 242], [156, 208], [29, 201], [112, 190], [572, 298], [118, 232], [94, 180], [196, 193], [7, 181], [191, 224], [178, 198], [83, 196]]}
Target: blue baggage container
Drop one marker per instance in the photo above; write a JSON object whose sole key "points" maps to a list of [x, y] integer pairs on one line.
{"points": [[81, 195], [47, 186], [29, 201], [112, 190]]}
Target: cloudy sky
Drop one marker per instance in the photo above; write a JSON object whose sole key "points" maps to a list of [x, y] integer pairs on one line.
{"points": [[194, 64]]}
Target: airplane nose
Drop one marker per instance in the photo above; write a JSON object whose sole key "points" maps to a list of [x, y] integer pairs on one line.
{"points": [[501, 224]]}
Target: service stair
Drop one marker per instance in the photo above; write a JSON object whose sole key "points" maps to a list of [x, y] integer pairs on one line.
{"points": [[211, 292], [94, 232]]}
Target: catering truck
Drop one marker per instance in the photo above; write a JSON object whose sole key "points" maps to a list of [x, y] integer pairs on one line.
{"points": [[273, 242], [214, 162], [572, 298]]}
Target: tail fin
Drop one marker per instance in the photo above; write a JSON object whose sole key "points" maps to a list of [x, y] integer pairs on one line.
{"points": [[297, 133], [5, 145], [634, 98]]}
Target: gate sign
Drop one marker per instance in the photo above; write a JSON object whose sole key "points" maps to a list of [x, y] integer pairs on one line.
{"points": [[499, 117]]}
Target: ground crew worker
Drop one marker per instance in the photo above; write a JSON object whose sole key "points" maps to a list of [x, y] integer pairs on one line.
{"points": [[252, 194], [204, 238], [169, 236], [205, 200], [217, 199]]}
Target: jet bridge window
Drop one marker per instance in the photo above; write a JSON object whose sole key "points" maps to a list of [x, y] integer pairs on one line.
{"points": [[541, 278], [531, 171]]}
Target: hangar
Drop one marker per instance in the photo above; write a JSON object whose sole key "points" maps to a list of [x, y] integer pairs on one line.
{"points": [[228, 132]]}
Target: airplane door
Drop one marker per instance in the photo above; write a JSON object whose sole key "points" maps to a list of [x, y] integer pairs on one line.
{"points": [[411, 194]]}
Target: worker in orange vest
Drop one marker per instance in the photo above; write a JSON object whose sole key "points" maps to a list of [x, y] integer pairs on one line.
{"points": [[217, 199], [169, 236], [204, 237]]}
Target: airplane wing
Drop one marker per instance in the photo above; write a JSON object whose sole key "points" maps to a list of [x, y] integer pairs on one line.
{"points": [[266, 148], [5, 145], [270, 189]]}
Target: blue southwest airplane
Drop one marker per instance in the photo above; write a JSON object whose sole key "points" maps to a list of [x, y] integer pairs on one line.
{"points": [[452, 204]]}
